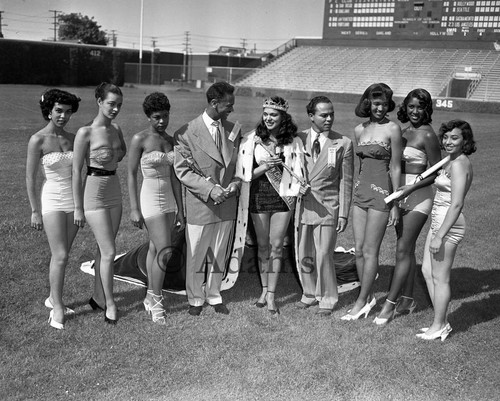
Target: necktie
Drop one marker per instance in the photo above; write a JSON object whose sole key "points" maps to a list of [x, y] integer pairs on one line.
{"points": [[217, 135], [316, 148]]}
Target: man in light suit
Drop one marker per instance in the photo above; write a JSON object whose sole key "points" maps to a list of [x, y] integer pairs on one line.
{"points": [[323, 211], [205, 159]]}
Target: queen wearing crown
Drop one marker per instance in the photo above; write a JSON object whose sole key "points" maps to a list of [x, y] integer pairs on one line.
{"points": [[270, 164]]}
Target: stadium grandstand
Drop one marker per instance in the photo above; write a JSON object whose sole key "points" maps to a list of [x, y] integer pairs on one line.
{"points": [[451, 48]]}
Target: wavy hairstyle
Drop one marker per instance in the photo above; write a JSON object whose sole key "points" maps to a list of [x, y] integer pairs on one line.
{"points": [[469, 145], [311, 106], [52, 96], [374, 91], [219, 90], [425, 101], [155, 102], [104, 88], [287, 131]]}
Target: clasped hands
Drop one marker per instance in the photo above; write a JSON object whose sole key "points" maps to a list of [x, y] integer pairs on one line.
{"points": [[220, 194], [271, 162]]}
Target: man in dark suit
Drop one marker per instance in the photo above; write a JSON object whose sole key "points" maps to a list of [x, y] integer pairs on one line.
{"points": [[205, 159], [323, 211]]}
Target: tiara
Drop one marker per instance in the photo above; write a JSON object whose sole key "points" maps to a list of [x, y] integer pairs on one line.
{"points": [[271, 104]]}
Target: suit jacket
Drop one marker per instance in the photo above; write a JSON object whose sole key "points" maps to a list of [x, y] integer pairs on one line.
{"points": [[194, 144], [331, 183]]}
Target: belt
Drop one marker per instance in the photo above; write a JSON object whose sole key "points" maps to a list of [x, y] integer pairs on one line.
{"points": [[99, 172]]}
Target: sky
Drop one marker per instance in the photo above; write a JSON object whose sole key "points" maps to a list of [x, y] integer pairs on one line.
{"points": [[260, 24]]}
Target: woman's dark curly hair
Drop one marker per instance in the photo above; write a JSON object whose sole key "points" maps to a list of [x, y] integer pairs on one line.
{"points": [[104, 88], [287, 131], [155, 102], [425, 100], [469, 145], [374, 91], [52, 96]]}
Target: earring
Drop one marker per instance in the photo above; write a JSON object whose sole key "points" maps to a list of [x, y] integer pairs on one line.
{"points": [[50, 117]]}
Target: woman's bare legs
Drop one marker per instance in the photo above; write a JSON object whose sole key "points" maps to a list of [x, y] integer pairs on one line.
{"points": [[369, 229], [61, 232], [408, 230], [104, 224], [272, 227], [441, 263], [160, 235]]}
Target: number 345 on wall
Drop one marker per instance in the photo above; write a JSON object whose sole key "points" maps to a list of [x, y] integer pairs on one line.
{"points": [[444, 103]]}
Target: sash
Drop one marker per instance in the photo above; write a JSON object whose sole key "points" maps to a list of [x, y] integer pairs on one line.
{"points": [[274, 175]]}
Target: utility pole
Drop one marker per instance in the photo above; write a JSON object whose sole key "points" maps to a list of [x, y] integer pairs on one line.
{"points": [[113, 35], [55, 23], [186, 50], [1, 34], [153, 40], [244, 44]]}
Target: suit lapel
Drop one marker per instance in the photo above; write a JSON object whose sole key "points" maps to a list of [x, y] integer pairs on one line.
{"points": [[206, 142], [307, 147], [227, 146], [322, 161]]}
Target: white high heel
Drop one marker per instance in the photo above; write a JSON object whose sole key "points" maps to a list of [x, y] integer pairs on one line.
{"points": [[382, 321], [53, 323], [67, 311], [157, 310], [147, 302], [365, 310], [443, 333]]}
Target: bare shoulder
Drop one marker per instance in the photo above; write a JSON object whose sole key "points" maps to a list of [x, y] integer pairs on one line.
{"points": [[38, 138], [394, 127], [84, 132], [140, 136], [461, 165]]}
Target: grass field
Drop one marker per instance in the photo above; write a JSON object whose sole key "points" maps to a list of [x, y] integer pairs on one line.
{"points": [[247, 355]]}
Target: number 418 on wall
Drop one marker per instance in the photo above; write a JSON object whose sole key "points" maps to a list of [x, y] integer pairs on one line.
{"points": [[446, 103]]}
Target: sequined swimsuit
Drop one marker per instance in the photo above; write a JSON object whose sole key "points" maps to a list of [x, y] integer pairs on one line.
{"points": [[373, 183], [57, 193], [102, 192], [156, 191]]}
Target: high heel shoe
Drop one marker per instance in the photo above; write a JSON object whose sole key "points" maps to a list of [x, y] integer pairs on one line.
{"points": [[147, 302], [271, 310], [365, 310], [94, 305], [261, 304], [157, 310], [443, 333], [381, 321], [109, 320], [50, 305], [53, 323], [406, 311]]}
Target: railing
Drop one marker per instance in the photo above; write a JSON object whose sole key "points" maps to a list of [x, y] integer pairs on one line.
{"points": [[272, 56]]}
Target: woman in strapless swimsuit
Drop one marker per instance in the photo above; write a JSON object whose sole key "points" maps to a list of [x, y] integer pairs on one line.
{"points": [[448, 223], [102, 146], [53, 210], [420, 150], [378, 143], [160, 204]]}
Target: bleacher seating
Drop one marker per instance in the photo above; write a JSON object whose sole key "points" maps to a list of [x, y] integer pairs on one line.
{"points": [[352, 69]]}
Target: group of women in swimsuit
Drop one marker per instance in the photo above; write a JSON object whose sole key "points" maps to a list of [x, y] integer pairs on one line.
{"points": [[390, 159], [68, 200]]}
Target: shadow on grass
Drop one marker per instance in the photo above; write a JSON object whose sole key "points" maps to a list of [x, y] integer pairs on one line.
{"points": [[471, 313]]}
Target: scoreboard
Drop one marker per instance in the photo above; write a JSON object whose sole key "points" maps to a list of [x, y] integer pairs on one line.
{"points": [[412, 20]]}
